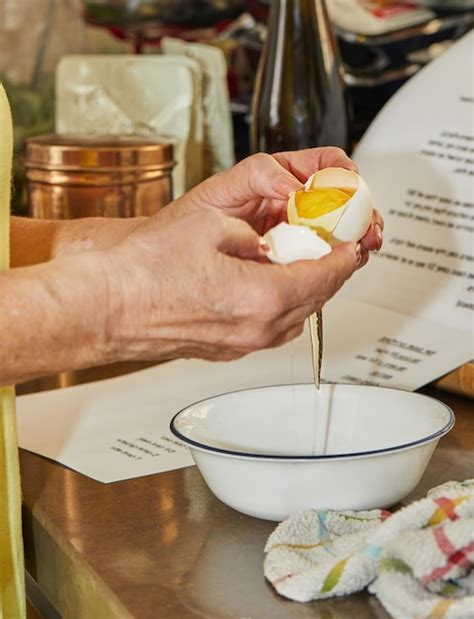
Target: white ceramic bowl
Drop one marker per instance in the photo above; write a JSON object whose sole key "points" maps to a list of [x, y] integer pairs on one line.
{"points": [[255, 448]]}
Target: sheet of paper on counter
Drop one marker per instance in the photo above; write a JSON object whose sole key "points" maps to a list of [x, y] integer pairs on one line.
{"points": [[119, 428], [375, 346]]}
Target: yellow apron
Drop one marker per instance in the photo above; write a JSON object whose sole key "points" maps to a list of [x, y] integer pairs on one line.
{"points": [[12, 588]]}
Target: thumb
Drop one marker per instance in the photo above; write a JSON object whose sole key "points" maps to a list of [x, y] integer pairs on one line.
{"points": [[240, 240]]}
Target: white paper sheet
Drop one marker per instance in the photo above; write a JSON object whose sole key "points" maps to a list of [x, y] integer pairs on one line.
{"points": [[119, 428], [369, 345], [418, 159]]}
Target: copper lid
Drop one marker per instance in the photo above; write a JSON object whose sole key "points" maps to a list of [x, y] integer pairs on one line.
{"points": [[71, 151]]}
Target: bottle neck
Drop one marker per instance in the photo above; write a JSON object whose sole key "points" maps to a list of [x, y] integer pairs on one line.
{"points": [[299, 100], [300, 27], [298, 9], [293, 17]]}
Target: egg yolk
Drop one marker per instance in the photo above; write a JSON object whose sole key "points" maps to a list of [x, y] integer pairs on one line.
{"points": [[313, 203]]}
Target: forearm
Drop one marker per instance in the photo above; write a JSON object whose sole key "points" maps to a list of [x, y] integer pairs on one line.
{"points": [[53, 317], [36, 240]]}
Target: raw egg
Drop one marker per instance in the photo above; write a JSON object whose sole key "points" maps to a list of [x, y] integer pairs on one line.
{"points": [[335, 203]]}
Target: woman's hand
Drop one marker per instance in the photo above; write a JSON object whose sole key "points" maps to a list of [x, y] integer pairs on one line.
{"points": [[193, 286], [190, 287], [196, 287], [188, 282]]}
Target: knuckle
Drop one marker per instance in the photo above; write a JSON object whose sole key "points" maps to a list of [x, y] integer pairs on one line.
{"points": [[212, 216], [277, 302], [332, 283], [213, 222], [270, 305], [246, 305], [263, 337], [258, 303], [336, 150], [255, 337], [299, 329], [260, 159]]}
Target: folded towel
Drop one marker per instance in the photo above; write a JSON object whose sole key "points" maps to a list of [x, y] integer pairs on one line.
{"points": [[418, 561]]}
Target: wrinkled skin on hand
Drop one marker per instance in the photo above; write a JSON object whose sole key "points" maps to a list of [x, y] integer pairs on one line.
{"points": [[196, 286]]}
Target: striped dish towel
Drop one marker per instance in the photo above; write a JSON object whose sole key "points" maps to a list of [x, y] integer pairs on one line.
{"points": [[418, 561]]}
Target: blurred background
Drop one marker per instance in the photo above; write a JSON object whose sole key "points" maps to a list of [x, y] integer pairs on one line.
{"points": [[58, 82]]}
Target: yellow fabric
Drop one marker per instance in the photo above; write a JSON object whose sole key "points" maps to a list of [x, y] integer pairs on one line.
{"points": [[12, 588]]}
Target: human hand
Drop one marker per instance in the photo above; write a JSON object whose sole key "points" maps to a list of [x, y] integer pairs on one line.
{"points": [[197, 287], [256, 189]]}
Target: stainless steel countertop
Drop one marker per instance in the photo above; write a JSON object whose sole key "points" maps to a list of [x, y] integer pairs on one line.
{"points": [[164, 546]]}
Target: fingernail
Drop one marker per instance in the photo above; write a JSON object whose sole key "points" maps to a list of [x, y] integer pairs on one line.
{"points": [[358, 253], [378, 235], [264, 246]]}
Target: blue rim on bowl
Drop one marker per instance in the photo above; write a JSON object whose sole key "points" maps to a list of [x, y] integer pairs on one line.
{"points": [[346, 456]]}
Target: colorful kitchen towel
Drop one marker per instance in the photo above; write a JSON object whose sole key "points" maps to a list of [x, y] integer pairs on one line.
{"points": [[418, 561]]}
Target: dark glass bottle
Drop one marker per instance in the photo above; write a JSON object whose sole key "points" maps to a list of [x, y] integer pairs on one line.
{"points": [[300, 97]]}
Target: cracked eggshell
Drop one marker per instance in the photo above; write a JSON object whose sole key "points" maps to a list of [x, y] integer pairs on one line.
{"points": [[349, 222], [291, 243]]}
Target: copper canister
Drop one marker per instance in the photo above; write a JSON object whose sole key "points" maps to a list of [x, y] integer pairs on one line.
{"points": [[70, 176]]}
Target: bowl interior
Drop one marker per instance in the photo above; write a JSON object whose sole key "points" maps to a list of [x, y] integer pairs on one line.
{"points": [[291, 420]]}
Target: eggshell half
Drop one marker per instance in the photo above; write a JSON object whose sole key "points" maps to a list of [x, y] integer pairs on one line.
{"points": [[290, 243], [349, 222]]}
